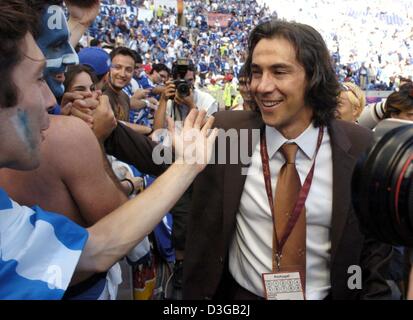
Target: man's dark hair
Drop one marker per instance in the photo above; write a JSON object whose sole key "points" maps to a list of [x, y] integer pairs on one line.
{"points": [[124, 51], [181, 67], [138, 57], [78, 47], [94, 42], [312, 53], [16, 20], [191, 67], [74, 70], [399, 101], [158, 67], [404, 79]]}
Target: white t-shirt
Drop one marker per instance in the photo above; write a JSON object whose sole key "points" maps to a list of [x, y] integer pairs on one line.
{"points": [[203, 101]]}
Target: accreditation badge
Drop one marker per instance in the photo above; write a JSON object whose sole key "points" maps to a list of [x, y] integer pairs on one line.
{"points": [[283, 286]]}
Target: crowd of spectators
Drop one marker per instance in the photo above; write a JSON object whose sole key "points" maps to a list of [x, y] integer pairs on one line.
{"points": [[148, 84], [369, 42], [214, 49]]}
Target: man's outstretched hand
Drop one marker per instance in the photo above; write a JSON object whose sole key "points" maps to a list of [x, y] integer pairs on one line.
{"points": [[194, 142]]}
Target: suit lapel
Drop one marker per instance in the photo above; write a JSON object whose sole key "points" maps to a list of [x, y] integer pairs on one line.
{"points": [[342, 172], [234, 180]]}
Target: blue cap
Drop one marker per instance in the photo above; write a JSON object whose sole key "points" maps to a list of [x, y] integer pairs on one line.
{"points": [[96, 58]]}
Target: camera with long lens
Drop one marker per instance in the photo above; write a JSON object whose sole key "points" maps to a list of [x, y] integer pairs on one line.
{"points": [[372, 114], [382, 184], [179, 70]]}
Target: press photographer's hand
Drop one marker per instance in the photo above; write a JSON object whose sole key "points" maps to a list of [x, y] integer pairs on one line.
{"points": [[169, 92], [186, 101]]}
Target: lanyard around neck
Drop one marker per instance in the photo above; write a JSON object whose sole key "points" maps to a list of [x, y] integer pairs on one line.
{"points": [[299, 205]]}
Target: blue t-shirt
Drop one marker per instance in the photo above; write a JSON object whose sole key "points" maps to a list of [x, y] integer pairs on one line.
{"points": [[39, 251], [145, 32], [163, 43]]}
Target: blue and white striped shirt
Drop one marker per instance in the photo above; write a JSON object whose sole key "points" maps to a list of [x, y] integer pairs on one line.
{"points": [[39, 251]]}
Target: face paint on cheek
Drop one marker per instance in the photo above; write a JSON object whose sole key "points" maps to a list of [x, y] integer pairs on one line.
{"points": [[21, 123]]}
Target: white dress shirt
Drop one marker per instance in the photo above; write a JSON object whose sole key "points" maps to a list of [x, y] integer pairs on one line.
{"points": [[250, 252]]}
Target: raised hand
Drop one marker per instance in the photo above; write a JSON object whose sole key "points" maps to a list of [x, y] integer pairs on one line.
{"points": [[194, 142], [169, 91], [83, 12]]}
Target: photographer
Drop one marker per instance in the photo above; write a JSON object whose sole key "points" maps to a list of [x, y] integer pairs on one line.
{"points": [[373, 113], [177, 100], [181, 96], [382, 187], [399, 105]]}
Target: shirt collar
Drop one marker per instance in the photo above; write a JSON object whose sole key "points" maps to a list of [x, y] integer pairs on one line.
{"points": [[306, 141]]}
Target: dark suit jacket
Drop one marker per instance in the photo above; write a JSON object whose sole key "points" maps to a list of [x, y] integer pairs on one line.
{"points": [[216, 197], [133, 148]]}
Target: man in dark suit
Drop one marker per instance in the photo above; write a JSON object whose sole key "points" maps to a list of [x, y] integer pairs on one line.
{"points": [[230, 240]]}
